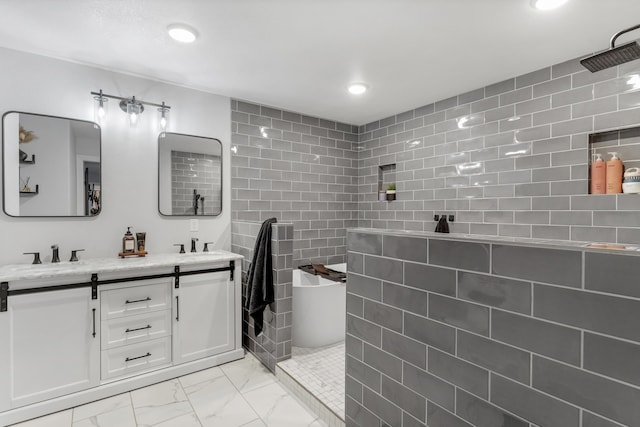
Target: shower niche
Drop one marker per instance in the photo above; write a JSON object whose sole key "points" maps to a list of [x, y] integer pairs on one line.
{"points": [[625, 142], [387, 182]]}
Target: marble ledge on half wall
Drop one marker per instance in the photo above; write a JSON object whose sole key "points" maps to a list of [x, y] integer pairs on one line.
{"points": [[520, 241], [112, 265]]}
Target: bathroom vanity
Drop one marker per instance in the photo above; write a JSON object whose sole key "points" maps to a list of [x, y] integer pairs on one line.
{"points": [[77, 332]]}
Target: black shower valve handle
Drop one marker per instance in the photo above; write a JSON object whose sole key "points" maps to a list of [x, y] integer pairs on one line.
{"points": [[36, 257], [181, 247], [74, 254]]}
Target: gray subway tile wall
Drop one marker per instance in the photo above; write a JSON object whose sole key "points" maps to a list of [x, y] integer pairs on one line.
{"points": [[523, 139], [274, 344], [492, 349], [299, 169], [510, 159]]}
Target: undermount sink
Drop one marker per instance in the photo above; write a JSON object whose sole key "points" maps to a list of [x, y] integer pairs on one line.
{"points": [[202, 253]]}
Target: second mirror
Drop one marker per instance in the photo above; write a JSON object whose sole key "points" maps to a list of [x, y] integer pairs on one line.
{"points": [[189, 175]]}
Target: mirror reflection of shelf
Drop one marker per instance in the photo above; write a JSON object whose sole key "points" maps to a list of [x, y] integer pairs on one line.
{"points": [[27, 161], [30, 193]]}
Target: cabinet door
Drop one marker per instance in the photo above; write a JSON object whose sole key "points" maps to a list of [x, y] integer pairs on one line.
{"points": [[203, 313], [52, 347]]}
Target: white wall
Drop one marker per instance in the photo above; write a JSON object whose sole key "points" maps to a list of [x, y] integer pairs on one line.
{"points": [[37, 84], [52, 170]]}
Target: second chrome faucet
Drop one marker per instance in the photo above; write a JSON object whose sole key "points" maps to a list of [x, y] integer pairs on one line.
{"points": [[205, 248]]}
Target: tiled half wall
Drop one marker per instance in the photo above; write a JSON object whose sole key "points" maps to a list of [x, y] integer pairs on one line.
{"points": [[509, 159], [274, 344], [299, 169], [458, 333]]}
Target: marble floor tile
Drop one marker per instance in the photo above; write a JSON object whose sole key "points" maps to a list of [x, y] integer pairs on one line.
{"points": [[278, 408], [219, 404], [248, 373], [255, 423], [201, 376], [59, 419], [160, 402], [242, 393], [121, 417], [187, 420], [101, 406]]}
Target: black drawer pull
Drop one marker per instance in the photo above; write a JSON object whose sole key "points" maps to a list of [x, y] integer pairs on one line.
{"points": [[137, 300], [94, 322], [129, 359], [138, 329]]}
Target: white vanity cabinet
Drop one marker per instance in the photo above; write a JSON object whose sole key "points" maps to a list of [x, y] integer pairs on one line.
{"points": [[203, 316], [53, 344], [136, 327], [112, 326]]}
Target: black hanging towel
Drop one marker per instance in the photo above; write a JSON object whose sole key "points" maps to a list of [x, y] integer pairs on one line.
{"points": [[260, 292]]}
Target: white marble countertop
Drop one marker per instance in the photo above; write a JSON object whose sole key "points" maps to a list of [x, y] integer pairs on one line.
{"points": [[522, 241], [110, 265]]}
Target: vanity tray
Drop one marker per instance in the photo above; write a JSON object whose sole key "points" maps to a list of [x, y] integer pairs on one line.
{"points": [[128, 254]]}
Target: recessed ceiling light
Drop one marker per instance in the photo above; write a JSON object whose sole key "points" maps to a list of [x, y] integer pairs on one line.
{"points": [[358, 88], [182, 33], [547, 4]]}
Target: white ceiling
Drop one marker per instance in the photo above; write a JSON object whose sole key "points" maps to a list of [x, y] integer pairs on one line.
{"points": [[300, 55]]}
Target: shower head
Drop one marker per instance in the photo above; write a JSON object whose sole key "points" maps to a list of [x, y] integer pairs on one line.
{"points": [[614, 55]]}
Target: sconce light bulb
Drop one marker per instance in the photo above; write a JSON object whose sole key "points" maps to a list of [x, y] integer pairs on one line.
{"points": [[163, 121], [100, 108], [133, 117]]}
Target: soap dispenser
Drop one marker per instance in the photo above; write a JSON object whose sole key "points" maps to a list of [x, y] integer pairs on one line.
{"points": [[614, 174], [598, 175], [128, 242]]}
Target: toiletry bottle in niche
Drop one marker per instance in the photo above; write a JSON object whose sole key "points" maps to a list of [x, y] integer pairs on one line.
{"points": [[128, 242], [614, 174], [598, 175]]}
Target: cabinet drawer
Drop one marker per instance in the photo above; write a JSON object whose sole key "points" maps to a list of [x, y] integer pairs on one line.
{"points": [[136, 358], [136, 328], [143, 298]]}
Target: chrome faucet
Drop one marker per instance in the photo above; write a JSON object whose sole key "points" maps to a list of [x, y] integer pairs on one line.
{"points": [[55, 257], [193, 244]]}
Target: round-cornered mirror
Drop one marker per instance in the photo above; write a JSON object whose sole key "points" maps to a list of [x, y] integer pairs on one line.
{"points": [[51, 166], [189, 175]]}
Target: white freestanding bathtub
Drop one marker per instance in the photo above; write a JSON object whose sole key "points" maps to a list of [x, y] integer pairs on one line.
{"points": [[319, 309]]}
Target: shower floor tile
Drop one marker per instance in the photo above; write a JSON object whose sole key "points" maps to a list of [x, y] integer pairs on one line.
{"points": [[321, 371]]}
